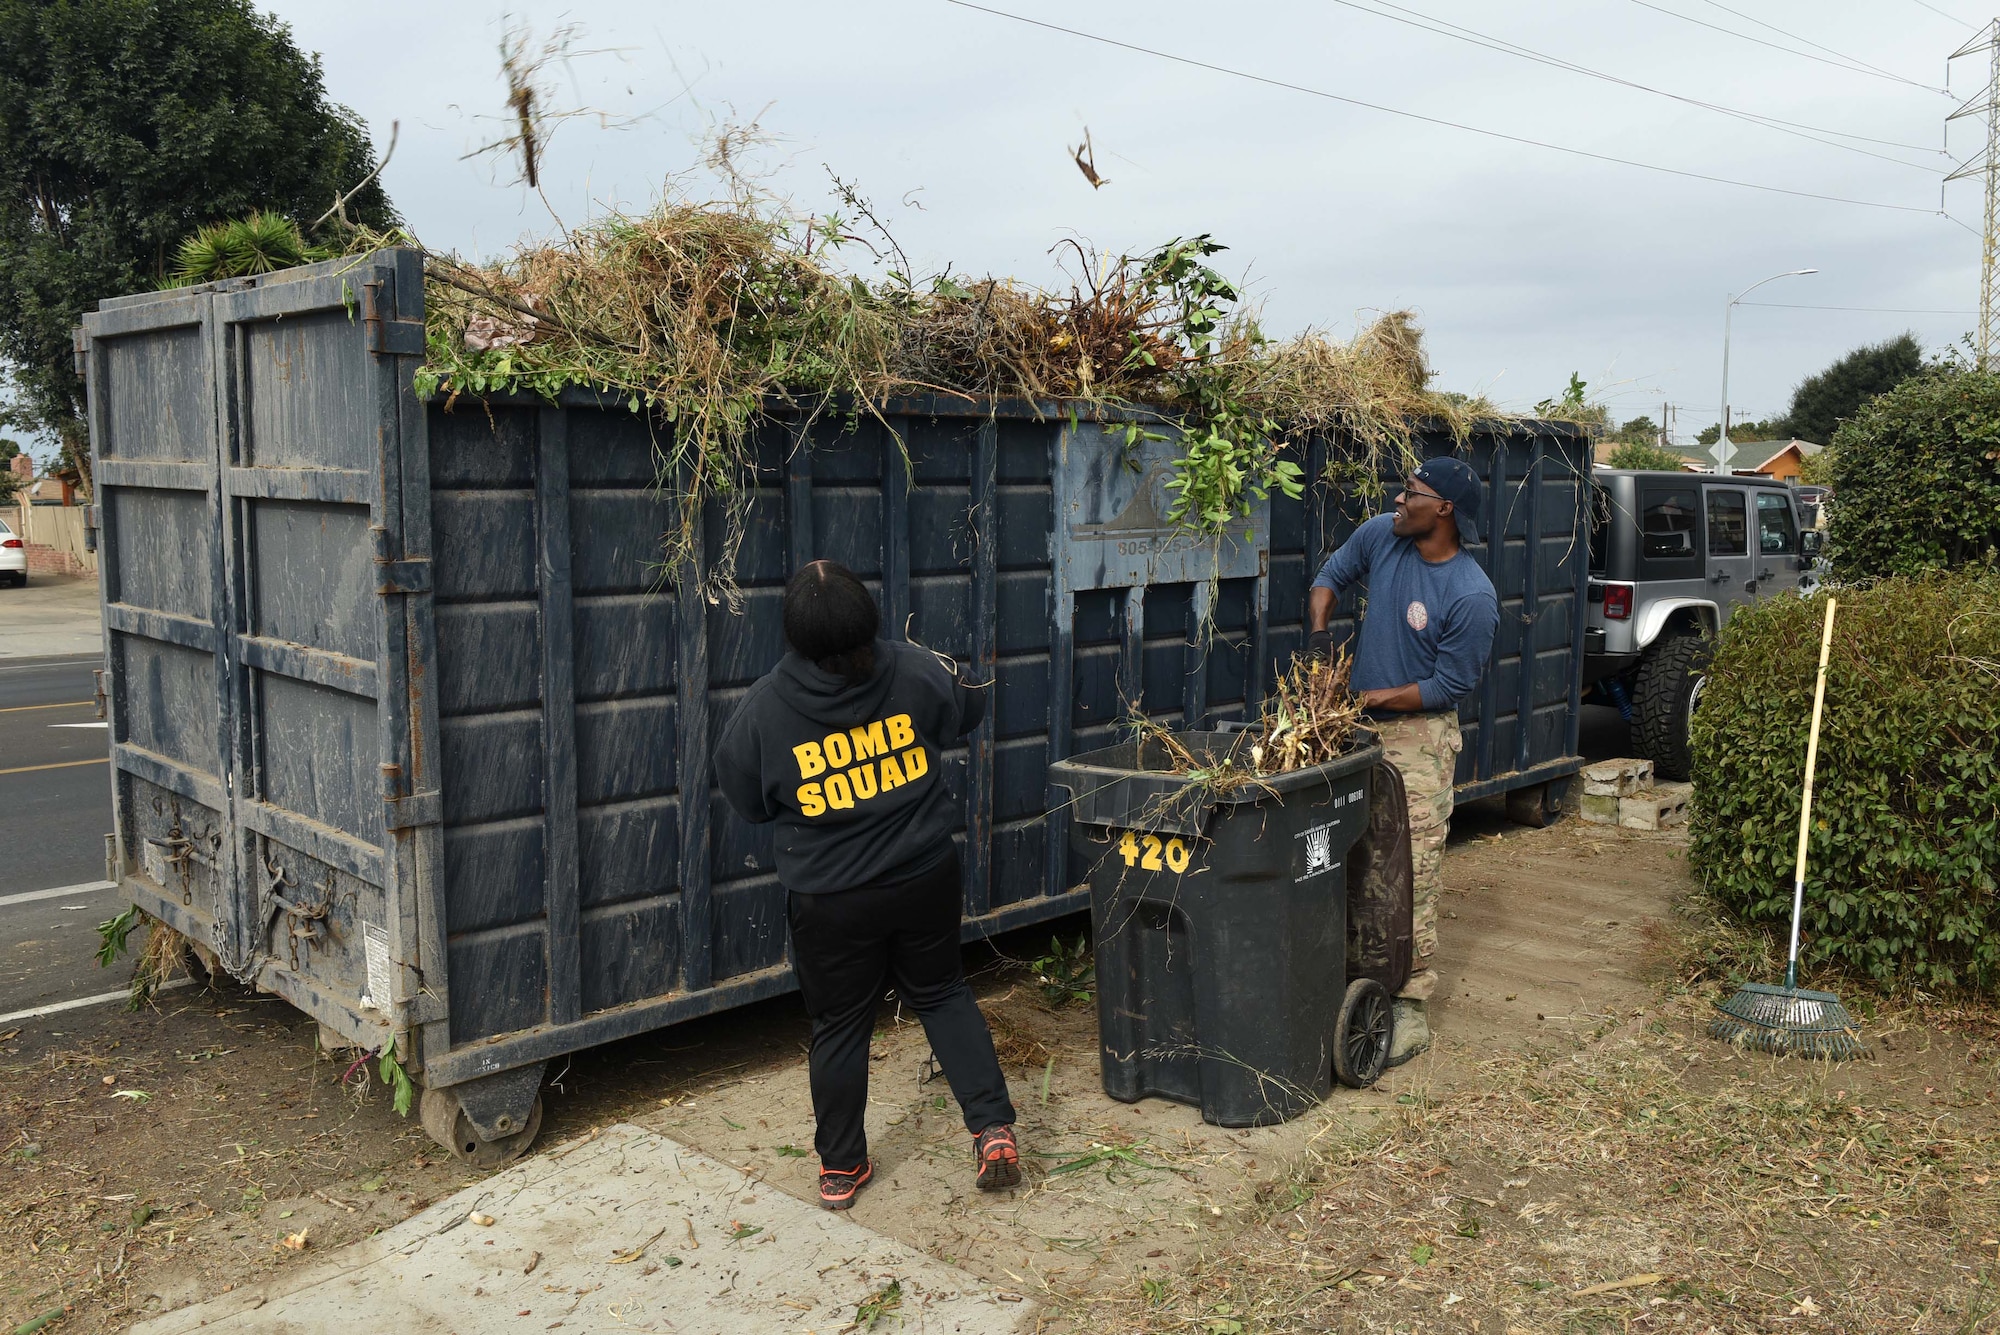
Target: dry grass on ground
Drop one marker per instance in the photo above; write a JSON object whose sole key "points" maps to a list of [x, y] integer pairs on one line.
{"points": [[1640, 1177]]}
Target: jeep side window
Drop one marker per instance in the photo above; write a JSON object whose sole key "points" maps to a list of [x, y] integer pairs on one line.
{"points": [[1728, 524], [1667, 534], [1775, 535]]}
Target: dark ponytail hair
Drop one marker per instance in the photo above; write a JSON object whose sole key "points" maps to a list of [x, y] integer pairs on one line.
{"points": [[831, 618]]}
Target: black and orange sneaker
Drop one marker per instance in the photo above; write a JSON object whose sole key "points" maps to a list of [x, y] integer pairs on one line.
{"points": [[836, 1189], [999, 1159]]}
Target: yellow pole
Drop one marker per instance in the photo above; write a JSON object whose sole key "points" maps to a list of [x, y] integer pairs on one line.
{"points": [[1805, 801]]}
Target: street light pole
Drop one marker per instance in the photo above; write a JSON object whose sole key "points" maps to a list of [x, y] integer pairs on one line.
{"points": [[1728, 309]]}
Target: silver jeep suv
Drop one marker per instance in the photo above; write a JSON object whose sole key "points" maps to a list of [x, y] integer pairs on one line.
{"points": [[1672, 556]]}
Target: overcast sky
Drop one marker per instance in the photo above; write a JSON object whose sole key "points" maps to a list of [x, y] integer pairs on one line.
{"points": [[1524, 263]]}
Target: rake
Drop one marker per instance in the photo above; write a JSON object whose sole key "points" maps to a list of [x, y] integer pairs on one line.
{"points": [[1789, 1020]]}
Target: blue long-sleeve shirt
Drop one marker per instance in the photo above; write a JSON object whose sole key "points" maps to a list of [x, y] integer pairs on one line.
{"points": [[1431, 623]]}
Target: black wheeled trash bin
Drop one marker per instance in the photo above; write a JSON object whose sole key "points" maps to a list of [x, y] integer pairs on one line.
{"points": [[1221, 926]]}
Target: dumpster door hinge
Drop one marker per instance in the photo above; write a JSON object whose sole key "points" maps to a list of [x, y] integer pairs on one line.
{"points": [[79, 346], [388, 337], [406, 813], [409, 575]]}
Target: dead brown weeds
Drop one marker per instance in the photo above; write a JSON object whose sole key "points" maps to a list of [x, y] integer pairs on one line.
{"points": [[1640, 1178], [1309, 718]]}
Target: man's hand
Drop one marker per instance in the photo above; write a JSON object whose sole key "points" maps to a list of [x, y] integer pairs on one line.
{"points": [[1401, 699], [1319, 645]]}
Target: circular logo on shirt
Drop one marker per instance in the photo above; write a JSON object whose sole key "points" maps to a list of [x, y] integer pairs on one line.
{"points": [[1417, 615]]}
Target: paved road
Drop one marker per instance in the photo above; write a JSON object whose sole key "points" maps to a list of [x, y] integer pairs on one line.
{"points": [[55, 809], [53, 615]]}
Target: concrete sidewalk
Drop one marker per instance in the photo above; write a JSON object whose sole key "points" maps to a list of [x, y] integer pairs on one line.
{"points": [[621, 1229], [55, 616]]}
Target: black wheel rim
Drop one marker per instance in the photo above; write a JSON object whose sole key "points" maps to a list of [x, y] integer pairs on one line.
{"points": [[1368, 1037]]}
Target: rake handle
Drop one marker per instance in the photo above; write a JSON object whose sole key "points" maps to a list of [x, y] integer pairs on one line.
{"points": [[1805, 802]]}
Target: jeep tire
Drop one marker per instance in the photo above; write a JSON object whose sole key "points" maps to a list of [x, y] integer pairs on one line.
{"points": [[1664, 691]]}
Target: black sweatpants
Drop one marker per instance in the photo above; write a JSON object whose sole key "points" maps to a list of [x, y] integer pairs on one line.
{"points": [[847, 947]]}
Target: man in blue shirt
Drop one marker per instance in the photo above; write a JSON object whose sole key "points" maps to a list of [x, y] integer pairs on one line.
{"points": [[1424, 644]]}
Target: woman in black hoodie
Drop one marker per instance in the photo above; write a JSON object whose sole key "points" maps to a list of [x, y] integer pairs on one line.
{"points": [[840, 745]]}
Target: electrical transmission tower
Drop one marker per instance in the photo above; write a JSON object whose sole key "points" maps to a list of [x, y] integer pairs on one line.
{"points": [[1985, 103]]}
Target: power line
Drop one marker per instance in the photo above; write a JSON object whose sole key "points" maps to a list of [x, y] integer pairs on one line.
{"points": [[1790, 51], [1852, 60], [1941, 14], [1878, 310], [1445, 28], [1433, 120]]}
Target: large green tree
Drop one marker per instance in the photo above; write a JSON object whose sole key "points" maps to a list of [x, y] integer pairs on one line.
{"points": [[1822, 402], [1771, 428], [1638, 431], [124, 126], [9, 483]]}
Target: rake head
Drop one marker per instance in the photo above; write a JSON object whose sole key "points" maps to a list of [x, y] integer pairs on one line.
{"points": [[1788, 1022]]}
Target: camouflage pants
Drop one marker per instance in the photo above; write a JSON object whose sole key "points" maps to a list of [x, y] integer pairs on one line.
{"points": [[1425, 748]]}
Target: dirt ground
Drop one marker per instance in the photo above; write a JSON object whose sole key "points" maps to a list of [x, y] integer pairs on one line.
{"points": [[1574, 1153]]}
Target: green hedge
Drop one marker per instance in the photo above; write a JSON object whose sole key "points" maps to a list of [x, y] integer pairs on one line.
{"points": [[1916, 478], [1905, 842]]}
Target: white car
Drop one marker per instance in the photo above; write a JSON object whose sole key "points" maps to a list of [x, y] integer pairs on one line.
{"points": [[13, 557]]}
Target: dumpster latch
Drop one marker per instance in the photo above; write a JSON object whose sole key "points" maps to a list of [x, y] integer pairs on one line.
{"points": [[409, 575], [394, 574], [405, 811], [387, 336]]}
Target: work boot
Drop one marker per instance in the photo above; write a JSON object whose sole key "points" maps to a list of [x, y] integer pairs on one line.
{"points": [[999, 1159], [1411, 1033]]}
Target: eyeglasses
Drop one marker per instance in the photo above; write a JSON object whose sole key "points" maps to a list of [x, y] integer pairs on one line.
{"points": [[1410, 489]]}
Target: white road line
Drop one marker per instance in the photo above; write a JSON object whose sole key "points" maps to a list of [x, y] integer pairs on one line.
{"points": [[77, 1005], [58, 662], [60, 892], [80, 725]]}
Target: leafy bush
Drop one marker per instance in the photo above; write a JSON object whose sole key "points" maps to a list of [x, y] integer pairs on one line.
{"points": [[1916, 478], [1905, 840], [1643, 454]]}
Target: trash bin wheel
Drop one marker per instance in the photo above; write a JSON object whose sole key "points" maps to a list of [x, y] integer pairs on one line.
{"points": [[450, 1127], [1361, 1037]]}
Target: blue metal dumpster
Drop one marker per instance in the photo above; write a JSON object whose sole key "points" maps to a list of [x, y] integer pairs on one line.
{"points": [[1520, 725], [410, 728]]}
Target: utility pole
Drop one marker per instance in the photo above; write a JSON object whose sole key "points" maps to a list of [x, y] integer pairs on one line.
{"points": [[1985, 103], [1665, 435]]}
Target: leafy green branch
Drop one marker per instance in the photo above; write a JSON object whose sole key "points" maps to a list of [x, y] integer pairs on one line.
{"points": [[403, 1090]]}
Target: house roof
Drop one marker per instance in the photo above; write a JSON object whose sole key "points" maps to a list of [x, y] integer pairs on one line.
{"points": [[1747, 456]]}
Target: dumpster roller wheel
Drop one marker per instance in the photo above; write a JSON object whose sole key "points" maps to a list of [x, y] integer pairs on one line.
{"points": [[449, 1126], [1361, 1036]]}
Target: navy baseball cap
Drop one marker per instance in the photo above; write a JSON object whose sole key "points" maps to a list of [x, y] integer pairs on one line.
{"points": [[1454, 481]]}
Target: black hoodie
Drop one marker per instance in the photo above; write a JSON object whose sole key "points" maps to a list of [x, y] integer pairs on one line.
{"points": [[849, 770]]}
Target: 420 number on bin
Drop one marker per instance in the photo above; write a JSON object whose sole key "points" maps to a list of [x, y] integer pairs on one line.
{"points": [[1149, 852]]}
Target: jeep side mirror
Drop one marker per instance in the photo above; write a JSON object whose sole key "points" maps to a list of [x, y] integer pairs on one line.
{"points": [[1811, 542]]}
